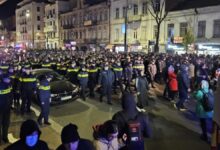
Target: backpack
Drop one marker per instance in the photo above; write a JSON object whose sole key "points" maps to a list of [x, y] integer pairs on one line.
{"points": [[208, 101], [132, 129]]}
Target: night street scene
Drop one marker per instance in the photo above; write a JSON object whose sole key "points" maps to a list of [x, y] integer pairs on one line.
{"points": [[109, 74]]}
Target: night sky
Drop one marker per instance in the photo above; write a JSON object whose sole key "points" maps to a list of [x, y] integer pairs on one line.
{"points": [[7, 9]]}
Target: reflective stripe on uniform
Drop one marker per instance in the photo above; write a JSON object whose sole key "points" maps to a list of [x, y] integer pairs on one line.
{"points": [[72, 70], [118, 69], [83, 75], [4, 67], [45, 88], [92, 70], [138, 67], [46, 65], [6, 91], [27, 79], [13, 77]]}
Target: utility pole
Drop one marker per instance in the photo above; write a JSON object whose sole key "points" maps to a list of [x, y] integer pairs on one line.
{"points": [[126, 21]]}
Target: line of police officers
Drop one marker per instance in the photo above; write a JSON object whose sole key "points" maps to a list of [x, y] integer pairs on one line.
{"points": [[17, 82]]}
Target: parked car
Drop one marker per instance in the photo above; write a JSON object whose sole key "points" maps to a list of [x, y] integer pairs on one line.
{"points": [[62, 90]]}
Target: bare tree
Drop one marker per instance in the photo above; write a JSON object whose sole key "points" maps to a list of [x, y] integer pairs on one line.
{"points": [[159, 13]]}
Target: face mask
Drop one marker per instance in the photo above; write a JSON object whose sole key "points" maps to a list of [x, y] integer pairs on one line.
{"points": [[83, 69], [106, 68], [31, 140], [74, 145], [118, 64], [6, 80], [73, 65]]}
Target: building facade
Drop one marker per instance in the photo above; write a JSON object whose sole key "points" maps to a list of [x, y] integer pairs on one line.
{"points": [[52, 22], [86, 25], [30, 23]]}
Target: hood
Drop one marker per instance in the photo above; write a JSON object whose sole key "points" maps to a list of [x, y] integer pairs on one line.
{"points": [[27, 128], [205, 85], [128, 103]]}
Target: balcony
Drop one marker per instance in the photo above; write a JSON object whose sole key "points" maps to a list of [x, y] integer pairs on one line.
{"points": [[90, 23], [90, 41], [68, 26], [134, 18], [50, 29]]}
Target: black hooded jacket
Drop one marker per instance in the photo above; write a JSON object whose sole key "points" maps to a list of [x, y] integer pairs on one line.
{"points": [[130, 112], [27, 128]]}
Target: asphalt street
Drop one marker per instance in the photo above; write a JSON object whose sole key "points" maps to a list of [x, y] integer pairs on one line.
{"points": [[172, 130]]}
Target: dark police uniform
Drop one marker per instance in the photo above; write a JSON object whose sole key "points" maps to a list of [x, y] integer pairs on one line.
{"points": [[44, 96], [106, 80], [93, 71], [72, 75], [28, 86], [118, 70], [5, 103], [83, 78]]}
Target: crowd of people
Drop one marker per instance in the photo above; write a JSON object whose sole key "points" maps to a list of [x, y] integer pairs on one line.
{"points": [[107, 73]]}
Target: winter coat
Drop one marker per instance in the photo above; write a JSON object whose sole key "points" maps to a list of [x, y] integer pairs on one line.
{"points": [[201, 113], [129, 112], [102, 144], [152, 69], [83, 145], [191, 71], [183, 82], [106, 80], [173, 83]]}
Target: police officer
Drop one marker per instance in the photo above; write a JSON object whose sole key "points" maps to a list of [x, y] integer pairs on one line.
{"points": [[118, 70], [93, 71], [44, 95], [83, 78], [46, 64], [5, 103], [72, 73], [28, 88], [128, 73], [106, 80]]}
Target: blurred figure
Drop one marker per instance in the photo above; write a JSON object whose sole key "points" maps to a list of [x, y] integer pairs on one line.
{"points": [[201, 111], [105, 136], [71, 140], [83, 78], [5, 104], [152, 70], [133, 126], [29, 138]]}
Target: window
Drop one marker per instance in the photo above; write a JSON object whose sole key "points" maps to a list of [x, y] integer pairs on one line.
{"points": [[155, 31], [201, 29], [105, 16], [170, 30], [216, 31], [117, 13], [53, 11], [183, 29], [38, 27], [135, 9], [38, 9], [116, 34], [135, 34], [38, 18], [124, 12], [144, 8]]}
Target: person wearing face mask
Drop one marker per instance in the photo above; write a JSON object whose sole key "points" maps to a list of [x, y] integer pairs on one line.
{"points": [[118, 70], [93, 72], [28, 87], [142, 88], [105, 81], [29, 138], [5, 103], [106, 136], [72, 73], [71, 140], [83, 78], [44, 95]]}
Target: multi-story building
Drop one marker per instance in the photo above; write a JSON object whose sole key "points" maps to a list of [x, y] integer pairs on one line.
{"points": [[201, 18], [86, 25], [30, 23], [52, 22]]}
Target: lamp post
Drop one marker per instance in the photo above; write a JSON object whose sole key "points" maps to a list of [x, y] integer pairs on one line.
{"points": [[127, 7]]}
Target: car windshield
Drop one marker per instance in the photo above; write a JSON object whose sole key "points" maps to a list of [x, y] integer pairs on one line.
{"points": [[52, 73]]}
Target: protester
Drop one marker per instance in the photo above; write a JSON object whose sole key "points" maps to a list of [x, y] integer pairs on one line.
{"points": [[71, 140], [129, 116], [29, 138]]}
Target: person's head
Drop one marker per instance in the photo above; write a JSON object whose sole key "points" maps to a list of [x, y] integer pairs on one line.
{"points": [[30, 133], [109, 130], [142, 73], [106, 67], [128, 102], [204, 85], [6, 78], [70, 137]]}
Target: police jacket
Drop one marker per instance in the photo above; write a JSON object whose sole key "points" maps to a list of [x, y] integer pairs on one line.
{"points": [[106, 78], [92, 73], [5, 91], [83, 78], [28, 82], [118, 71], [44, 90]]}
